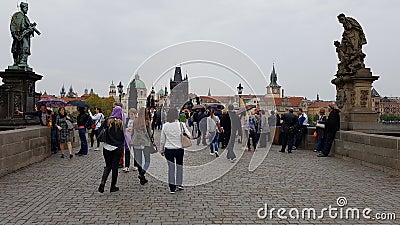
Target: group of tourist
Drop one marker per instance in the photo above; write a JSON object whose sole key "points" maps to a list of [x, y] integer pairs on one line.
{"points": [[135, 136], [294, 129]]}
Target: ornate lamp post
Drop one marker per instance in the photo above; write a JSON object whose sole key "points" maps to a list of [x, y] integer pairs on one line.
{"points": [[240, 91], [120, 91]]}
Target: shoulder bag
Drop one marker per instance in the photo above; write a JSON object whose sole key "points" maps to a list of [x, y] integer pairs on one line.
{"points": [[186, 143]]}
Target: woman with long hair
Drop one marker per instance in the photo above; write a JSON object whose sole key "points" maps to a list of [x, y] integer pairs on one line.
{"points": [[112, 149], [172, 148], [142, 143], [64, 134], [128, 135]]}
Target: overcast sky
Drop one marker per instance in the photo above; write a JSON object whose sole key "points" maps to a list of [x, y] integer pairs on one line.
{"points": [[89, 43]]}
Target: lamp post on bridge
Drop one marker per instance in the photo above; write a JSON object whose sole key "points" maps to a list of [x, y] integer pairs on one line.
{"points": [[120, 91]]}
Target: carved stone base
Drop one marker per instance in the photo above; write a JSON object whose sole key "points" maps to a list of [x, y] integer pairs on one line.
{"points": [[17, 92], [353, 97]]}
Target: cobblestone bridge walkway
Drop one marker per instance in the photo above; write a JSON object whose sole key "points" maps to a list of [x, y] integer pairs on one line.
{"points": [[63, 191]]}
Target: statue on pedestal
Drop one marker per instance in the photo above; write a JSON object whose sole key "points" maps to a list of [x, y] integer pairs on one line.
{"points": [[21, 31], [349, 50]]}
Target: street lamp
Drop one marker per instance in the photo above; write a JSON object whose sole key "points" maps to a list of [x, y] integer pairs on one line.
{"points": [[120, 91], [240, 91]]}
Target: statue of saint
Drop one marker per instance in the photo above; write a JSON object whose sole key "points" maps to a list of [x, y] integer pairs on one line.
{"points": [[21, 31], [349, 50]]}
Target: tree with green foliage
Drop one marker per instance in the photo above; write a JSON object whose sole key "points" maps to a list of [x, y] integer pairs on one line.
{"points": [[106, 104]]}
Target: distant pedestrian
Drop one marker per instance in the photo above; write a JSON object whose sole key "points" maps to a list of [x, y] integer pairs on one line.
{"points": [[82, 120], [301, 129], [172, 149], [264, 130], [213, 133], [128, 135], [64, 131], [225, 122], [202, 132], [232, 129], [289, 124], [112, 149], [253, 132], [55, 145], [142, 143], [97, 119], [320, 129], [332, 125]]}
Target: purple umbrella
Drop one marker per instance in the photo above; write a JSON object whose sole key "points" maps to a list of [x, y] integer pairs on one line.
{"points": [[52, 102]]}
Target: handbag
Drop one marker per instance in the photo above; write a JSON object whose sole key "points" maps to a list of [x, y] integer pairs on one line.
{"points": [[70, 126], [186, 143], [315, 134], [153, 149]]}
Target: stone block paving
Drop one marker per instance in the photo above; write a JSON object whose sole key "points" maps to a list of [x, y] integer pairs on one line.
{"points": [[64, 191]]}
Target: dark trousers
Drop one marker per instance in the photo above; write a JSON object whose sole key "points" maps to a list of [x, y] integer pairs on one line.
{"points": [[254, 138], [138, 153], [175, 159], [127, 153], [329, 138], [84, 145], [55, 146], [320, 141], [226, 138], [287, 139], [92, 134], [230, 154], [301, 132], [112, 159]]}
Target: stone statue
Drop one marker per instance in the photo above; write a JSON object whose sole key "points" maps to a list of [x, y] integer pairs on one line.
{"points": [[349, 50], [21, 31]]}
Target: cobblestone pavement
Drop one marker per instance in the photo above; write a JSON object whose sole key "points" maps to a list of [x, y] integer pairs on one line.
{"points": [[63, 191]]}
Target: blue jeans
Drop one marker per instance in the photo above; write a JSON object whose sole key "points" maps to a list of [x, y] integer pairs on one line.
{"points": [[84, 145], [320, 141], [138, 158], [174, 158], [213, 139]]}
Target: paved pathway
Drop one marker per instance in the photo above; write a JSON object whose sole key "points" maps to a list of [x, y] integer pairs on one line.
{"points": [[63, 191]]}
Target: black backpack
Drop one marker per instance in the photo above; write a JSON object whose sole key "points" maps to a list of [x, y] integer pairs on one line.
{"points": [[89, 122]]}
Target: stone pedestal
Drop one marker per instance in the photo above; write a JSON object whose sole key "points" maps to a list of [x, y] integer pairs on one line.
{"points": [[353, 97], [17, 92]]}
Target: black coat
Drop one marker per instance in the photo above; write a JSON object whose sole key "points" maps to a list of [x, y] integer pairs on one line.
{"points": [[290, 122], [333, 122]]}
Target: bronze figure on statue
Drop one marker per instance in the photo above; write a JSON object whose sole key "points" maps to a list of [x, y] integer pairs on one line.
{"points": [[21, 31], [349, 50]]}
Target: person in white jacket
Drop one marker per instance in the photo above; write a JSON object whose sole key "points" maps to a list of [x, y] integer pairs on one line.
{"points": [[171, 148], [97, 118], [212, 132]]}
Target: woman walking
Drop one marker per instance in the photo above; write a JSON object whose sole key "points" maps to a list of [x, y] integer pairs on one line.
{"points": [[112, 149], [64, 134], [212, 132], [97, 119], [141, 142], [172, 149], [128, 135]]}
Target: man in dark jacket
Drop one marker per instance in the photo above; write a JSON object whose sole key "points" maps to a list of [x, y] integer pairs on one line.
{"points": [[288, 128], [332, 125], [42, 113]]}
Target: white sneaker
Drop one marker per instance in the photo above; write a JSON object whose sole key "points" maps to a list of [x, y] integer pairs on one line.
{"points": [[172, 192], [125, 169], [96, 149], [211, 153]]}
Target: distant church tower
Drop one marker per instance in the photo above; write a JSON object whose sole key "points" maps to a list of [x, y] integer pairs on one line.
{"points": [[179, 88], [274, 89], [62, 92], [113, 91]]}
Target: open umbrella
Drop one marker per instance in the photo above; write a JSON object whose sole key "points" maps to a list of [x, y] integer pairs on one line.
{"points": [[243, 109], [198, 107], [78, 103], [52, 102]]}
